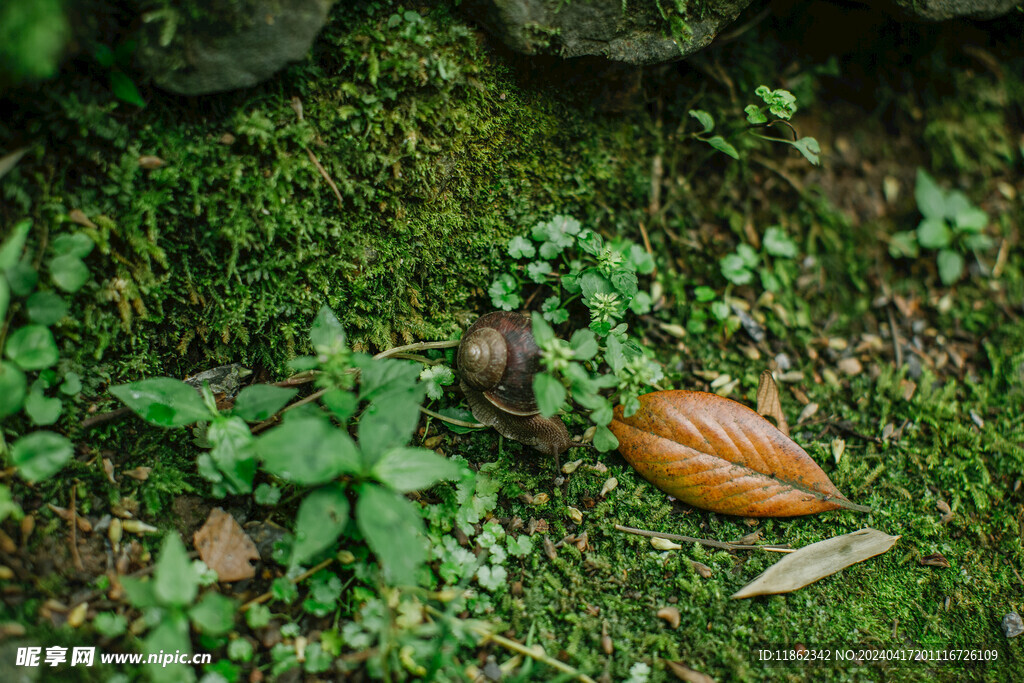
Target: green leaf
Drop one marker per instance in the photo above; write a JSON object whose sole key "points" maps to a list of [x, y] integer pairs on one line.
{"points": [[542, 332], [583, 344], [604, 440], [436, 377], [614, 355], [520, 247], [389, 423], [326, 334], [723, 146], [602, 413], [754, 114], [10, 250], [124, 89], [735, 269], [951, 266], [592, 282], [460, 414], [228, 437], [174, 582], [320, 520], [8, 508], [978, 242], [68, 272], [393, 529], [904, 244], [32, 347], [71, 385], [342, 404], [138, 592], [266, 494], [641, 303], [538, 271], [810, 148], [76, 244], [704, 119], [45, 308], [972, 220], [170, 634], [504, 293], [104, 56], [933, 233], [590, 242], [642, 261], [22, 278], [704, 294], [42, 410], [307, 451], [550, 250], [12, 389], [931, 200], [624, 281], [214, 615], [380, 378], [550, 393], [258, 402], [163, 401], [5, 297], [777, 243], [41, 454], [109, 624], [412, 469]]}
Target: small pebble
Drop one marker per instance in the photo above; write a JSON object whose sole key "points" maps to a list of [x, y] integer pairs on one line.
{"points": [[1012, 625]]}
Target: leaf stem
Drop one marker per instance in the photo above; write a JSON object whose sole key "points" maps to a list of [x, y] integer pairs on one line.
{"points": [[418, 346], [451, 420]]}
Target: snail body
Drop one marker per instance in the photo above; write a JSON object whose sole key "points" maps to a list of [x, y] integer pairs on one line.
{"points": [[497, 360]]}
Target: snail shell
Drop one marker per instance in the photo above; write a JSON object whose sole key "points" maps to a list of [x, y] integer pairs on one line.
{"points": [[499, 357]]}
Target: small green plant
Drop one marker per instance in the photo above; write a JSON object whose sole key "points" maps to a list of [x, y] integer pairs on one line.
{"points": [[578, 265], [33, 381], [116, 61], [951, 224], [742, 265]]}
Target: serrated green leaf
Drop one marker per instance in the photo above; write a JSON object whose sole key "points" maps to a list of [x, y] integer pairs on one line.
{"points": [[413, 469], [754, 114], [538, 271], [393, 529], [520, 247], [308, 451], [326, 333], [322, 517], [214, 615], [32, 347], [163, 401], [258, 402], [39, 455], [174, 582], [624, 282], [590, 242]]}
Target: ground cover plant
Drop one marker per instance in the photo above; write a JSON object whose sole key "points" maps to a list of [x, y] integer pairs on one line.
{"points": [[207, 449]]}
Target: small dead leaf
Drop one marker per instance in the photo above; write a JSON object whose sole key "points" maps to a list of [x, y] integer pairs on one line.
{"points": [[609, 486], [768, 403], [150, 162], [934, 560], [807, 413], [541, 498], [816, 561], [750, 539], [838, 447], [76, 617], [226, 139], [225, 547], [108, 469], [907, 389], [570, 467], [850, 366], [549, 548], [685, 673], [664, 544], [719, 455], [607, 646], [1012, 625], [947, 513], [670, 615], [139, 473], [135, 526], [574, 514], [78, 216], [10, 160], [702, 569]]}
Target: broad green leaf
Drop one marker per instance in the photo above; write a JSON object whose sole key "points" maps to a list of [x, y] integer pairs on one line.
{"points": [[214, 615], [393, 529], [12, 389], [327, 334], [138, 592], [592, 282], [5, 297], [124, 89], [723, 146], [904, 244], [68, 272], [972, 220], [71, 385], [810, 148], [931, 200], [174, 582], [8, 508], [171, 634], [951, 266], [625, 283], [22, 278], [542, 332], [163, 401], [520, 247], [379, 378], [46, 308], [778, 243], [614, 355], [259, 401], [590, 242], [583, 344], [342, 404], [550, 393], [933, 233], [32, 347], [41, 409], [754, 114], [735, 270], [39, 455], [748, 255], [604, 440], [412, 469], [978, 242], [308, 451], [10, 250], [228, 437], [389, 422], [704, 119], [641, 303], [320, 520], [76, 244]]}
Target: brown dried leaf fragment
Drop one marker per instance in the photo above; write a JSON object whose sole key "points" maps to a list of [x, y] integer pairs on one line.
{"points": [[768, 403], [225, 548], [816, 561], [150, 162], [935, 560], [685, 673]]}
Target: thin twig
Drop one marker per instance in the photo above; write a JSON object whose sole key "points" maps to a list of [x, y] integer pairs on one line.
{"points": [[418, 346], [74, 529], [538, 655], [105, 417], [298, 579], [451, 420], [703, 541], [323, 172], [897, 351]]}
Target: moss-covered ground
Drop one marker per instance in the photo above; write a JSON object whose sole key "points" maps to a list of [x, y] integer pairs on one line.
{"points": [[442, 146]]}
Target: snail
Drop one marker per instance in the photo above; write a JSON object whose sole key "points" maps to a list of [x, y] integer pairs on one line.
{"points": [[497, 360]]}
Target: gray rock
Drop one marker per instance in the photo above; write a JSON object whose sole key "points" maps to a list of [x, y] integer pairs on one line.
{"points": [[229, 52], [576, 28], [939, 10], [1012, 625]]}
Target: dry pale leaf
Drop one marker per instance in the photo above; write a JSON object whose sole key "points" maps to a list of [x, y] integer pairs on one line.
{"points": [[717, 454], [768, 403], [816, 561], [685, 673], [78, 216], [150, 162], [9, 161], [225, 548]]}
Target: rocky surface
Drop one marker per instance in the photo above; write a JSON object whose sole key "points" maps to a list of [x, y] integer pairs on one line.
{"points": [[939, 10]]}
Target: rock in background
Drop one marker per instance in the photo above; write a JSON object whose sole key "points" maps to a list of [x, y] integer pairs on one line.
{"points": [[939, 10], [635, 31], [228, 49]]}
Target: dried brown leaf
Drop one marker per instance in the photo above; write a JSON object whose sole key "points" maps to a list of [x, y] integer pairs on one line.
{"points": [[719, 455], [816, 561], [935, 560], [768, 403], [225, 548], [78, 216], [702, 569], [150, 162], [139, 473], [685, 673]]}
